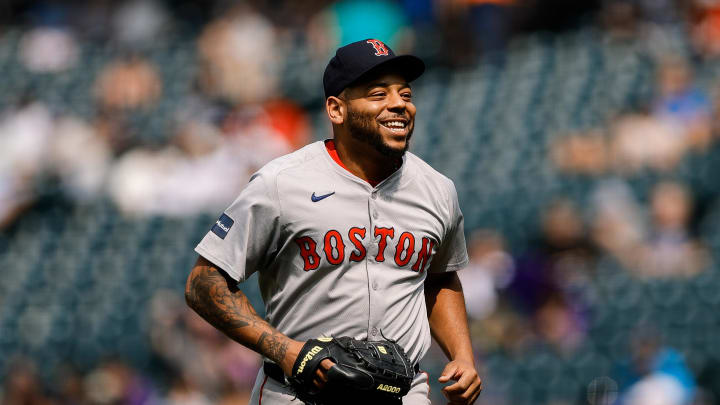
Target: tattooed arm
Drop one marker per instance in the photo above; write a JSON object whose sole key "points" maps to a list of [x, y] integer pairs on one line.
{"points": [[214, 296]]}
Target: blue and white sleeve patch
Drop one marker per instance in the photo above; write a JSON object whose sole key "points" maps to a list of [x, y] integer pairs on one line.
{"points": [[222, 226]]}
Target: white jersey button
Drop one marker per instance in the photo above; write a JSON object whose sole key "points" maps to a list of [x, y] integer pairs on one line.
{"points": [[374, 331], [373, 195], [374, 285], [375, 214]]}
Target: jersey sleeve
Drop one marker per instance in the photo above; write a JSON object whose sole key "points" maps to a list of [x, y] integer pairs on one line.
{"points": [[452, 253], [244, 239]]}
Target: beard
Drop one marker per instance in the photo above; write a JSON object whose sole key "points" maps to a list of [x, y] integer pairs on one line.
{"points": [[363, 128]]}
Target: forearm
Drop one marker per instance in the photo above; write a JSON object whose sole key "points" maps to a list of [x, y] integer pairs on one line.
{"points": [[225, 307], [446, 314]]}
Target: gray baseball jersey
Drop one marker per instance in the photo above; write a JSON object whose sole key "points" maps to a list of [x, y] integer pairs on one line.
{"points": [[337, 256]]}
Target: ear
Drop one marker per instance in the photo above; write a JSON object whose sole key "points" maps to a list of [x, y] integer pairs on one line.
{"points": [[336, 110]]}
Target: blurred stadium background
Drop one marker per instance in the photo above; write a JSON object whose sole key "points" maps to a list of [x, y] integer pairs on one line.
{"points": [[582, 137]]}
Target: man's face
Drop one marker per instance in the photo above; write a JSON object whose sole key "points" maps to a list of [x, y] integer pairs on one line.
{"points": [[380, 113]]}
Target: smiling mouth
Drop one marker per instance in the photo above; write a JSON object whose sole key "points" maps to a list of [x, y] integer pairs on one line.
{"points": [[396, 126]]}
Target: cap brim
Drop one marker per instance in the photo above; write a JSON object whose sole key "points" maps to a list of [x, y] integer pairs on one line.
{"points": [[409, 66]]}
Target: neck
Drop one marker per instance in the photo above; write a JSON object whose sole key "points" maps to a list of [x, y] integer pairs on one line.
{"points": [[364, 161]]}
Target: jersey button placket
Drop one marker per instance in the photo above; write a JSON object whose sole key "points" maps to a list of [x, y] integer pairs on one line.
{"points": [[373, 268]]}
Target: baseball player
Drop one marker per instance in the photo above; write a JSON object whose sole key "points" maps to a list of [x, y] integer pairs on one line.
{"points": [[352, 237]]}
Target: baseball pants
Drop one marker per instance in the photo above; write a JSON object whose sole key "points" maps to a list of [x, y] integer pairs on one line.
{"points": [[268, 391]]}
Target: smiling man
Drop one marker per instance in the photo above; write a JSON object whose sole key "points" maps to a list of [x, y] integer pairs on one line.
{"points": [[356, 242]]}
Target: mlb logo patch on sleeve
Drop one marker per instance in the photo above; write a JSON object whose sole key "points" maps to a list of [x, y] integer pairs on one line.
{"points": [[222, 226]]}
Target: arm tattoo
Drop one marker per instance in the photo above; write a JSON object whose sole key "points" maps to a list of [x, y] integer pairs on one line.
{"points": [[209, 295], [273, 345], [224, 306]]}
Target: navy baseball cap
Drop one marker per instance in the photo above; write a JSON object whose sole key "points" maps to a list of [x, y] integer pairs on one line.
{"points": [[358, 59]]}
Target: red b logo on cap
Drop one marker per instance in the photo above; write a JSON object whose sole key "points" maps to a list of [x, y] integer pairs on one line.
{"points": [[380, 48]]}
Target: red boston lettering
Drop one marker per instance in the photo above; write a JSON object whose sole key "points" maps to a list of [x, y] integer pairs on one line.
{"points": [[334, 245], [383, 233], [356, 236], [424, 254], [339, 247], [308, 252], [405, 238]]}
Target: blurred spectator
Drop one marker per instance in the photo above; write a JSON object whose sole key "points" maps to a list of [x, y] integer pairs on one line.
{"points": [[216, 161], [111, 127], [659, 140], [490, 21], [206, 362], [490, 269], [137, 23], [662, 12], [655, 374], [25, 131], [258, 134], [48, 49], [93, 20], [454, 48], [504, 330], [236, 397], [184, 392], [560, 325], [128, 83], [559, 258], [493, 324], [682, 105], [640, 140], [288, 121], [618, 226], [79, 157], [114, 382], [621, 19], [581, 153], [706, 27], [22, 385], [669, 249], [68, 384], [148, 182], [465, 29], [240, 57]]}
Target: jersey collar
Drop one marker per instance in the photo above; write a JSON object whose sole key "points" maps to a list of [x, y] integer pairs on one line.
{"points": [[332, 151]]}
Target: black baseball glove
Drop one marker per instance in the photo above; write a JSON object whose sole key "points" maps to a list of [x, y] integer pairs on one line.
{"points": [[375, 373]]}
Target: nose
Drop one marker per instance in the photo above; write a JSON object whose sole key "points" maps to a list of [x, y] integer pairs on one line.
{"points": [[396, 102]]}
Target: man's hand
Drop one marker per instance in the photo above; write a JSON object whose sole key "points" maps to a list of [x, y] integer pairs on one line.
{"points": [[468, 386], [291, 355], [321, 373]]}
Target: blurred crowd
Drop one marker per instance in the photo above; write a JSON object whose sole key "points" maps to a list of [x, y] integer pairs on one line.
{"points": [[192, 363], [238, 114]]}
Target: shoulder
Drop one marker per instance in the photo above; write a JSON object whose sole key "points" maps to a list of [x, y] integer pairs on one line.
{"points": [[301, 160], [264, 182], [431, 177], [300, 157]]}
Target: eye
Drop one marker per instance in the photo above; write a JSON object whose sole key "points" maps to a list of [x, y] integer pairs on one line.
{"points": [[407, 96], [377, 94]]}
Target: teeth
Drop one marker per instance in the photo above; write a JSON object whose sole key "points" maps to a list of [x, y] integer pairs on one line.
{"points": [[394, 124]]}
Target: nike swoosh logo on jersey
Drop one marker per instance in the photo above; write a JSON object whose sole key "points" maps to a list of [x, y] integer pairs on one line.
{"points": [[317, 198]]}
